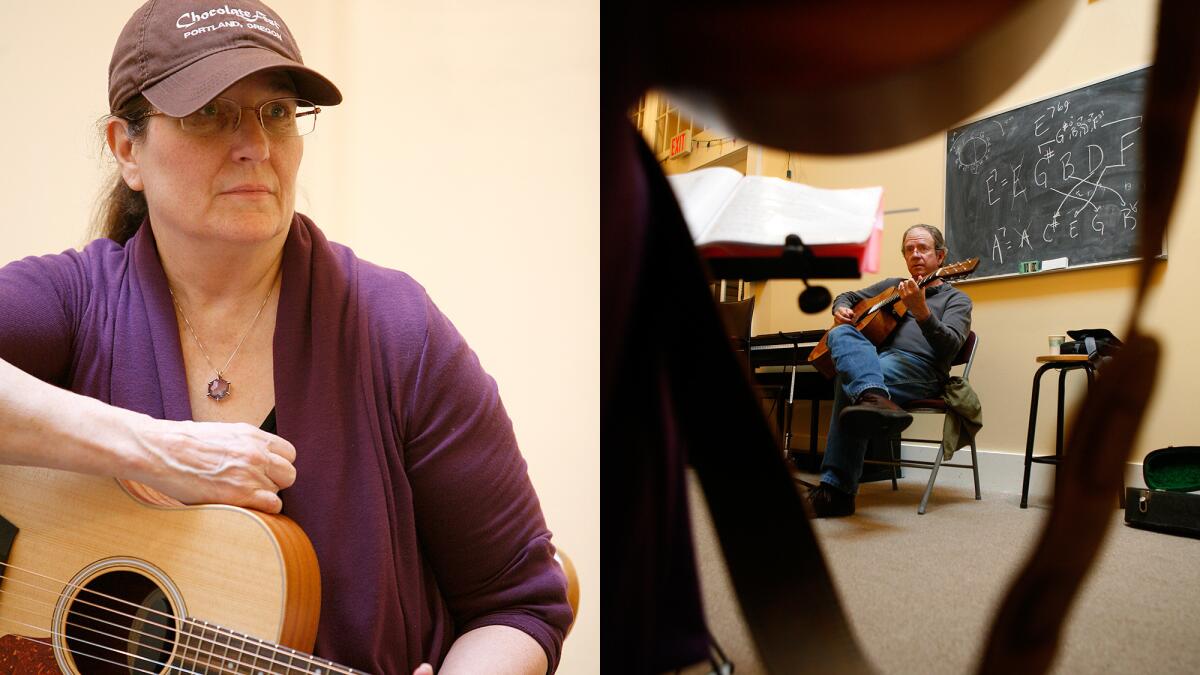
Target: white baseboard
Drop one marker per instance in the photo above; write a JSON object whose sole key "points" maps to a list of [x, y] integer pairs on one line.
{"points": [[998, 471]]}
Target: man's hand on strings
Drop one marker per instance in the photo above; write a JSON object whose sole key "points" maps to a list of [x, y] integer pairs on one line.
{"points": [[914, 298]]}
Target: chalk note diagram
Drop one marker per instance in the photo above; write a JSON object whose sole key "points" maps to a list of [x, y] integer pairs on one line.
{"points": [[1052, 184]]}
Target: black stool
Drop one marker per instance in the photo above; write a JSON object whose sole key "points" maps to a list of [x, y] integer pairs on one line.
{"points": [[1062, 363]]}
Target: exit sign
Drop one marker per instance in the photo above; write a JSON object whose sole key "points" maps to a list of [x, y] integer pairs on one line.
{"points": [[681, 144]]}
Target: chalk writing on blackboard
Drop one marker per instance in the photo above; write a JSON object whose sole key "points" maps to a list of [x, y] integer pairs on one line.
{"points": [[1053, 180]]}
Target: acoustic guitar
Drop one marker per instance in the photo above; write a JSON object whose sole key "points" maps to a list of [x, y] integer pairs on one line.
{"points": [[876, 317], [103, 577]]}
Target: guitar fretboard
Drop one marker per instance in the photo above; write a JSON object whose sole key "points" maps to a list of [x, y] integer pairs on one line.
{"points": [[207, 649]]}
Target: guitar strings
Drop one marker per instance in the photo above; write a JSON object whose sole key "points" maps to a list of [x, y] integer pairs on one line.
{"points": [[93, 630], [208, 666], [185, 646], [291, 654], [200, 639], [93, 656], [228, 658], [166, 652]]}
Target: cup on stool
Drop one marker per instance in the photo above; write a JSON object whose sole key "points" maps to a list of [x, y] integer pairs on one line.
{"points": [[1056, 343]]}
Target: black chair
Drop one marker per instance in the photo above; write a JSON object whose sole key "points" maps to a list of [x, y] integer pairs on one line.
{"points": [[737, 317], [935, 406]]}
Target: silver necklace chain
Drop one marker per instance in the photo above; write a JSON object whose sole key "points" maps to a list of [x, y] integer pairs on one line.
{"points": [[220, 371]]}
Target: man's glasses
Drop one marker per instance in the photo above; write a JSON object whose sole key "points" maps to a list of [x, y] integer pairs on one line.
{"points": [[279, 117]]}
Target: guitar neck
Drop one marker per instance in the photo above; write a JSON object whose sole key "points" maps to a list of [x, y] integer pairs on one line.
{"points": [[208, 648], [893, 297], [943, 273]]}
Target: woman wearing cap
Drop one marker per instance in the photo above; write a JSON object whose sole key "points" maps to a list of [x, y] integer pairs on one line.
{"points": [[211, 317]]}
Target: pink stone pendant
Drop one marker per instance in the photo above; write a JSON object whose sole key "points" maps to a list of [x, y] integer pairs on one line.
{"points": [[218, 389]]}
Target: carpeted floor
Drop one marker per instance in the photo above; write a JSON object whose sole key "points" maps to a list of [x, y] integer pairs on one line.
{"points": [[920, 591]]}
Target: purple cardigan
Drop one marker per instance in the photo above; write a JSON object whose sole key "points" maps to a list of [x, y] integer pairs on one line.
{"points": [[409, 481]]}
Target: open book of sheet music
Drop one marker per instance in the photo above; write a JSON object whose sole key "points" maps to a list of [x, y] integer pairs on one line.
{"points": [[734, 215]]}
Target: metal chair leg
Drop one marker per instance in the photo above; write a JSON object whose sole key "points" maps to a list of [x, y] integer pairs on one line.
{"points": [[893, 451], [937, 463], [975, 471]]}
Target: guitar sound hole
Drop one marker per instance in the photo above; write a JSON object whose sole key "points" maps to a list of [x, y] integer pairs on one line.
{"points": [[120, 623]]}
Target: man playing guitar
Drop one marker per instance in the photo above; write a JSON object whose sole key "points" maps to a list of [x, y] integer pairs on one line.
{"points": [[912, 363]]}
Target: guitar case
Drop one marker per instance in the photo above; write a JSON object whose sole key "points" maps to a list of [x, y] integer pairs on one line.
{"points": [[1163, 511], [1169, 503]]}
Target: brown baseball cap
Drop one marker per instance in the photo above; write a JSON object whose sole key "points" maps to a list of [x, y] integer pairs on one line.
{"points": [[180, 54]]}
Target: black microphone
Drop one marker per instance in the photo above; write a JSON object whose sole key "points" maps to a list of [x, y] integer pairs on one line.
{"points": [[814, 299]]}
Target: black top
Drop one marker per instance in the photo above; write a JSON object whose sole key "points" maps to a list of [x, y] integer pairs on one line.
{"points": [[268, 424]]}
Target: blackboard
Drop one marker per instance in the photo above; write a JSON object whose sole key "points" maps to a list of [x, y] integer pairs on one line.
{"points": [[1050, 185]]}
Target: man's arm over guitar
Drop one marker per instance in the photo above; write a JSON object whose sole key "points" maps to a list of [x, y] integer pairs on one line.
{"points": [[947, 330], [851, 298]]}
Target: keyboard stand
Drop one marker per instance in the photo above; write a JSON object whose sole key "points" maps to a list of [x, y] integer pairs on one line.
{"points": [[798, 346]]}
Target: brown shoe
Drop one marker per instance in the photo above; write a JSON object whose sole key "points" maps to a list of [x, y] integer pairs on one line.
{"points": [[874, 415], [826, 501]]}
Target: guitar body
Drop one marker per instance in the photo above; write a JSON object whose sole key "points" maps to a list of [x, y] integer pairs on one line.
{"points": [[877, 316], [84, 540], [877, 326]]}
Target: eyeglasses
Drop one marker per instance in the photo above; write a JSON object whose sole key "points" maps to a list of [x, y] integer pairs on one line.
{"points": [[285, 117]]}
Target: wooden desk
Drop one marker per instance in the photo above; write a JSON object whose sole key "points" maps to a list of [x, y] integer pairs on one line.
{"points": [[1062, 358]]}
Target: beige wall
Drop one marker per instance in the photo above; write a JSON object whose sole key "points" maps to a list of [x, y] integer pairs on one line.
{"points": [[1014, 316], [465, 154]]}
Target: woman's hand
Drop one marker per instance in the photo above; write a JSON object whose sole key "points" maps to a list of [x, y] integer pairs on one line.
{"points": [[214, 462], [194, 462], [424, 669]]}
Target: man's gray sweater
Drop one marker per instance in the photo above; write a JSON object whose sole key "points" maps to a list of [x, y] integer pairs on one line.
{"points": [[937, 339]]}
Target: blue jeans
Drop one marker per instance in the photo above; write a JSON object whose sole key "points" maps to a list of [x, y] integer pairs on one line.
{"points": [[904, 376]]}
